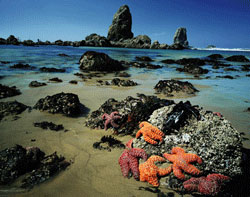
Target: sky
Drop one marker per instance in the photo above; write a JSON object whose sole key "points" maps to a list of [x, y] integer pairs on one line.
{"points": [[223, 23]]}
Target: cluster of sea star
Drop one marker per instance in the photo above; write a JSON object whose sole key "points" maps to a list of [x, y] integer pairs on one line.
{"points": [[149, 172]]}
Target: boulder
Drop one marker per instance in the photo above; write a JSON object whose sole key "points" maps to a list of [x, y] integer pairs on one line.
{"points": [[192, 69], [145, 65], [132, 111], [215, 56], [6, 91], [174, 87], [157, 45], [121, 82], [121, 25], [94, 61], [59, 42], [97, 41], [180, 37], [143, 58], [191, 62], [11, 108], [49, 125], [237, 58], [58, 70], [12, 40], [176, 46], [63, 103], [198, 131]]}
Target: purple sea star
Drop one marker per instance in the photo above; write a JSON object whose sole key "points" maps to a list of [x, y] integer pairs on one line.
{"points": [[110, 119]]}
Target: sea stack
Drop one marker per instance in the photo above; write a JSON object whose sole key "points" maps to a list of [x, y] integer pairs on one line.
{"points": [[180, 37], [121, 25]]}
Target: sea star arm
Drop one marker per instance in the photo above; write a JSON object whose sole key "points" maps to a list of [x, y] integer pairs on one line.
{"points": [[177, 150], [149, 140], [144, 123], [170, 157], [157, 131], [177, 172], [139, 133], [189, 168], [124, 167], [134, 166], [165, 171], [154, 136], [153, 181], [190, 157], [112, 122]]}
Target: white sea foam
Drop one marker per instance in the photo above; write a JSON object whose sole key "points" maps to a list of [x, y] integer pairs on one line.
{"points": [[224, 49]]}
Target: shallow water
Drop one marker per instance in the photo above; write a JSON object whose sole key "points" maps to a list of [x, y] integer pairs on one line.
{"points": [[94, 172]]}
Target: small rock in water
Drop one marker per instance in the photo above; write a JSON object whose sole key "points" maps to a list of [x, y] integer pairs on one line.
{"points": [[55, 79], [11, 108], [49, 125], [22, 66], [45, 69], [110, 142], [36, 84]]}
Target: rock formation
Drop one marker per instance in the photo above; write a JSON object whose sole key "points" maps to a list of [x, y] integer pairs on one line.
{"points": [[121, 25], [97, 40], [180, 37]]}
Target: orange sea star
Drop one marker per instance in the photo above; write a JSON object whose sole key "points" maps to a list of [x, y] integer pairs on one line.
{"points": [[150, 133], [149, 171], [181, 161]]}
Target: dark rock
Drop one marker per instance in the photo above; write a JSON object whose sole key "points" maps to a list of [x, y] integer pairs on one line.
{"points": [[168, 61], [28, 43], [49, 166], [22, 66], [132, 111], [56, 79], [107, 143], [225, 76], [215, 56], [121, 25], [237, 58], [191, 62], [4, 62], [73, 82], [192, 69], [63, 55], [180, 37], [245, 68], [140, 42], [46, 69], [248, 109], [59, 42], [2, 41], [145, 65], [12, 40], [120, 82], [143, 58], [11, 108], [34, 84], [230, 69], [248, 75], [6, 91], [157, 45], [17, 161], [97, 41], [94, 61], [176, 47], [122, 74], [210, 46], [174, 87], [64, 103], [67, 43], [49, 125]]}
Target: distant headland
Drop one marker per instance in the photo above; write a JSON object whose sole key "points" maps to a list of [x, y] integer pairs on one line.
{"points": [[119, 35]]}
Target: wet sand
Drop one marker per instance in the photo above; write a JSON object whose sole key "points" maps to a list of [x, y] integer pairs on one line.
{"points": [[93, 172]]}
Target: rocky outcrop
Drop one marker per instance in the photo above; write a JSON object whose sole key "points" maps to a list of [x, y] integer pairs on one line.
{"points": [[22, 66], [49, 125], [3, 41], [97, 41], [237, 58], [174, 87], [157, 45], [140, 41], [28, 43], [94, 61], [6, 91], [180, 37], [121, 25], [215, 56], [12, 40], [58, 42], [63, 103]]}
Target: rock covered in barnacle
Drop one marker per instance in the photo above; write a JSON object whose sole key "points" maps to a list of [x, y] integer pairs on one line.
{"points": [[6, 91], [211, 137], [132, 111], [64, 103]]}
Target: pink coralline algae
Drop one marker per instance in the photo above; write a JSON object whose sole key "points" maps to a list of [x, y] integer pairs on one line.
{"points": [[129, 161], [210, 185], [110, 119]]}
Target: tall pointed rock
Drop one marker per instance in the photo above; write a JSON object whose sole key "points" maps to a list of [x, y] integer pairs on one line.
{"points": [[180, 37], [121, 25]]}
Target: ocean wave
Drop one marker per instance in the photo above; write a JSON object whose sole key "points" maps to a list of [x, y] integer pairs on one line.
{"points": [[224, 49]]}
